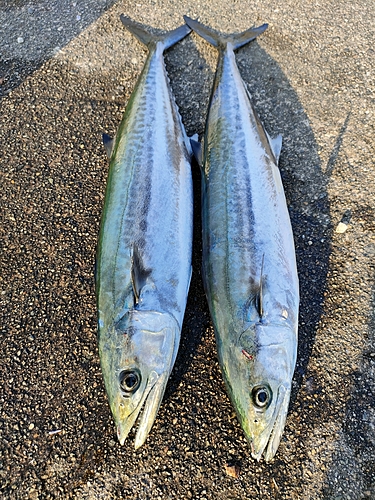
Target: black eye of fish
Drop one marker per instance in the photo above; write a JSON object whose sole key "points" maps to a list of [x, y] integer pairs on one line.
{"points": [[130, 380], [261, 396]]}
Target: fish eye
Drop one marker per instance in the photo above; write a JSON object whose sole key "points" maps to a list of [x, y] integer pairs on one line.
{"points": [[261, 396], [130, 380]]}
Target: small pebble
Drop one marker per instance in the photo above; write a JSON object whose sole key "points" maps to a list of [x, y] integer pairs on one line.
{"points": [[52, 433], [341, 227], [232, 470], [20, 39]]}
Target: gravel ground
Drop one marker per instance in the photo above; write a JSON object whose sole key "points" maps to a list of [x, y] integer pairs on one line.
{"points": [[66, 73]]}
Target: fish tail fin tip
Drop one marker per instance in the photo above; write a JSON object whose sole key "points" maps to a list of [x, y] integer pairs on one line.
{"points": [[217, 40], [172, 37], [241, 39], [204, 31], [168, 39]]}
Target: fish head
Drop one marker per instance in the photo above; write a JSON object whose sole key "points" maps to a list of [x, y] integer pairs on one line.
{"points": [[259, 384], [136, 363]]}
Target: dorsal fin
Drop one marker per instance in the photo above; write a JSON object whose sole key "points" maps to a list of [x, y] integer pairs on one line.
{"points": [[108, 144], [259, 295], [139, 275]]}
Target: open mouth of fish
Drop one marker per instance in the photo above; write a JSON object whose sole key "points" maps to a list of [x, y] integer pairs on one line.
{"points": [[270, 438], [143, 416]]}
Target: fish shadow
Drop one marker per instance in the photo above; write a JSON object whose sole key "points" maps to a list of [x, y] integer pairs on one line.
{"points": [[356, 438], [197, 319]]}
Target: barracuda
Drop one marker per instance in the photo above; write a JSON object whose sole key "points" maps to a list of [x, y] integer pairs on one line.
{"points": [[144, 250], [249, 265]]}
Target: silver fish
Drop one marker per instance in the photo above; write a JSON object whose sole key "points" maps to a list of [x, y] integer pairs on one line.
{"points": [[249, 264], [145, 243]]}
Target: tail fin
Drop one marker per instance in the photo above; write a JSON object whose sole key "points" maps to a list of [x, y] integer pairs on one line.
{"points": [[237, 40], [168, 39]]}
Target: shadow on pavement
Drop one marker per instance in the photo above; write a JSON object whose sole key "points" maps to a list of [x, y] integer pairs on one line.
{"points": [[31, 32]]}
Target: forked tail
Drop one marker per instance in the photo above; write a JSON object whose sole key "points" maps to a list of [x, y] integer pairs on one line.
{"points": [[168, 39], [217, 40]]}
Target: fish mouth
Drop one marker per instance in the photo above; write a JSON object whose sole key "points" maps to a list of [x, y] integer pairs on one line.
{"points": [[145, 413], [269, 439]]}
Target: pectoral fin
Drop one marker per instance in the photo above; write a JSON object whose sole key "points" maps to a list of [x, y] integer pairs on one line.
{"points": [[259, 294], [140, 276], [108, 144], [197, 150], [254, 306], [276, 144]]}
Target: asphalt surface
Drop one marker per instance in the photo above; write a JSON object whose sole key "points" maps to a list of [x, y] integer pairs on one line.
{"points": [[67, 70]]}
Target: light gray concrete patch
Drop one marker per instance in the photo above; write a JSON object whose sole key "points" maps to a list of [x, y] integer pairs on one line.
{"points": [[33, 31]]}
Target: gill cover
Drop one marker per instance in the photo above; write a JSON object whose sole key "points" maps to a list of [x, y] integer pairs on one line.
{"points": [[136, 363], [258, 371]]}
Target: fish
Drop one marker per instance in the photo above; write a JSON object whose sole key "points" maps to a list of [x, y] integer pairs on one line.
{"points": [[143, 265], [249, 264]]}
